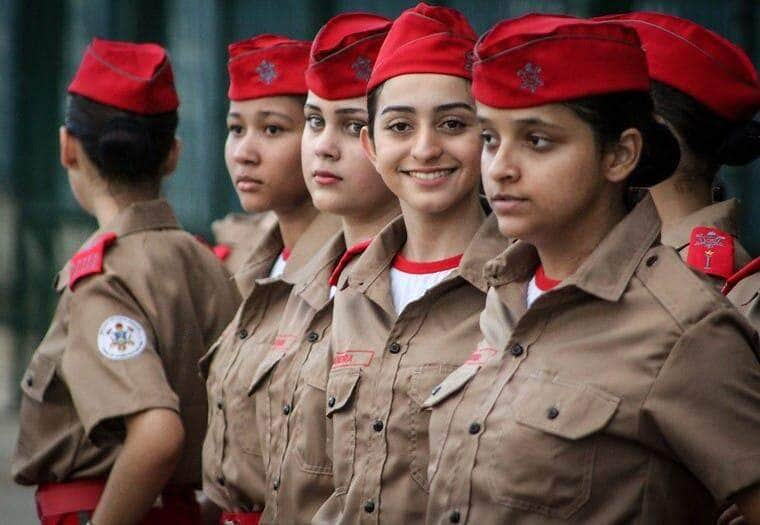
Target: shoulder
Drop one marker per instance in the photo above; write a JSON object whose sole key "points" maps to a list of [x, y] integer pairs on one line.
{"points": [[676, 289]]}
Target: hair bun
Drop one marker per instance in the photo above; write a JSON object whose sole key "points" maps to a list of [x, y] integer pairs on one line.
{"points": [[742, 145], [124, 148], [659, 158]]}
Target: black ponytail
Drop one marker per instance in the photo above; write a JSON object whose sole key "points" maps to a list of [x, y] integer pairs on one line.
{"points": [[127, 148], [611, 114]]}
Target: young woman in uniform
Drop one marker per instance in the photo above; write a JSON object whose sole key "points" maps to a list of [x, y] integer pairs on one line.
{"points": [[612, 384], [289, 386], [263, 156], [408, 307], [112, 409]]}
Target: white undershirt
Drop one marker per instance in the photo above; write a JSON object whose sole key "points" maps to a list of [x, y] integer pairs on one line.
{"points": [[410, 280], [539, 285], [278, 267], [534, 292]]}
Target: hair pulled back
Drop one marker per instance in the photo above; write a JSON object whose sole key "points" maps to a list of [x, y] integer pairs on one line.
{"points": [[127, 148]]}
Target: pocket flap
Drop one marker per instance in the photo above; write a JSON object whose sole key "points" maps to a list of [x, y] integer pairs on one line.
{"points": [[567, 410], [37, 377], [340, 389], [452, 384], [270, 361]]}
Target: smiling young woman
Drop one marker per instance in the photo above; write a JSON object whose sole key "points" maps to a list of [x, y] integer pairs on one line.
{"points": [[405, 312], [615, 372]]}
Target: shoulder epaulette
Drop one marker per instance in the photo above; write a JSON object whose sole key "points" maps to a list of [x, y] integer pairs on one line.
{"points": [[711, 251], [89, 261], [750, 269]]}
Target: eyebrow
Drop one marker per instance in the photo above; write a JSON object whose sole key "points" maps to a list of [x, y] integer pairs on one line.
{"points": [[400, 109], [532, 121], [265, 114], [350, 111], [438, 109], [312, 106]]}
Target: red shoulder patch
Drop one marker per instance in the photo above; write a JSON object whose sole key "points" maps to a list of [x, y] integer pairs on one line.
{"points": [[90, 260], [750, 269], [222, 251], [711, 251]]}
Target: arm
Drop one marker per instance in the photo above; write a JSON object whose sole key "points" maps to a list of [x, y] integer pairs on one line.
{"points": [[151, 450]]}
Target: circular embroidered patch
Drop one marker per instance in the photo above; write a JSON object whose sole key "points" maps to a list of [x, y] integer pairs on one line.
{"points": [[120, 337]]}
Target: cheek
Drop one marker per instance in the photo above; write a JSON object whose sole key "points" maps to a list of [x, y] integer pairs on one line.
{"points": [[228, 154]]}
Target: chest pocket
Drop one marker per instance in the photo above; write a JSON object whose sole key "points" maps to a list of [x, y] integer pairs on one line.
{"points": [[38, 377], [341, 409], [311, 424], [540, 453], [270, 361], [422, 382]]}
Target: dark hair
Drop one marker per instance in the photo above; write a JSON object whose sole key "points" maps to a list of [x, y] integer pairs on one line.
{"points": [[711, 138], [372, 98], [611, 114], [127, 148]]}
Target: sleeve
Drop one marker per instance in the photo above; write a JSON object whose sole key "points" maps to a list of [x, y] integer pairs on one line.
{"points": [[111, 362], [705, 403]]}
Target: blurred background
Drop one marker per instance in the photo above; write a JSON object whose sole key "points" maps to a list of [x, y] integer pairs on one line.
{"points": [[41, 43]]}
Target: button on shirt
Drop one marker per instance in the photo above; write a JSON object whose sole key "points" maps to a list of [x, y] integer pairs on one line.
{"points": [[234, 474], [634, 397], [174, 297], [383, 366]]}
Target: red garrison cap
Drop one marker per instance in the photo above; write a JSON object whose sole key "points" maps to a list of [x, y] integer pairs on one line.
{"points": [[343, 54], [267, 66], [698, 62], [128, 76], [540, 59], [426, 39]]}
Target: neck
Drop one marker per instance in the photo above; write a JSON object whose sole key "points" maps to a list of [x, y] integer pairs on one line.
{"points": [[681, 195], [111, 202], [295, 221], [563, 253], [357, 229], [432, 237]]}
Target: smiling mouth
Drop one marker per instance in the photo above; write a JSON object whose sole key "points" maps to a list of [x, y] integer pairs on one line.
{"points": [[428, 174]]}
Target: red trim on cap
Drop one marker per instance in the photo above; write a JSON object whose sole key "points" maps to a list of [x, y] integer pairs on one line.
{"points": [[90, 260], [543, 282], [285, 254], [403, 264], [349, 254], [750, 269]]}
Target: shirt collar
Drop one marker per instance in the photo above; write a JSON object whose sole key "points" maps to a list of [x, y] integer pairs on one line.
{"points": [[144, 215], [487, 243], [721, 215], [606, 272], [311, 280]]}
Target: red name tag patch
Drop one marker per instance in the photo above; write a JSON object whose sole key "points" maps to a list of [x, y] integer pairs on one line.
{"points": [[353, 358], [282, 342], [480, 356]]}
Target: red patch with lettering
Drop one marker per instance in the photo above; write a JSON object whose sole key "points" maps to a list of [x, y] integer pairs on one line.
{"points": [[90, 260], [480, 356], [222, 251], [282, 342], [353, 358], [711, 251]]}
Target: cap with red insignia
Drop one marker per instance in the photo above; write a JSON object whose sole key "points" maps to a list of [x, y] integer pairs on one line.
{"points": [[698, 62], [711, 251], [128, 76], [541, 59], [267, 66], [426, 39], [343, 54]]}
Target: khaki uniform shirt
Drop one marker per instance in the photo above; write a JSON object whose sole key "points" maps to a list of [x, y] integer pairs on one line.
{"points": [[721, 215], [242, 233], [384, 365], [233, 468], [172, 294], [630, 393], [289, 391], [746, 297]]}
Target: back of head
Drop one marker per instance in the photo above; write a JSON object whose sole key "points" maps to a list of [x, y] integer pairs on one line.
{"points": [[122, 106]]}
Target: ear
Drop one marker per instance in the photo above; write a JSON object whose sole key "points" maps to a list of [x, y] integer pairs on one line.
{"points": [[621, 159], [68, 148], [170, 164], [368, 145]]}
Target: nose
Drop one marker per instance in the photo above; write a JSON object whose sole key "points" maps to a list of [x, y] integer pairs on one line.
{"points": [[503, 166], [245, 150], [426, 146], [325, 146]]}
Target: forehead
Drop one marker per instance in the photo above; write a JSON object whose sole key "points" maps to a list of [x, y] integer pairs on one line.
{"points": [[551, 114], [286, 105], [329, 106], [424, 91]]}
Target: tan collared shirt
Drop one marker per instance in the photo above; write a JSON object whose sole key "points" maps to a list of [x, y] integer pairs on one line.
{"points": [[746, 297], [721, 215], [243, 233], [173, 298], [264, 248], [233, 465], [384, 365], [289, 392], [630, 393]]}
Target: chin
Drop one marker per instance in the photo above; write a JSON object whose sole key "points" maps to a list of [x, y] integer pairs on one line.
{"points": [[513, 228], [253, 204]]}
